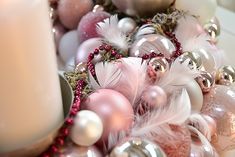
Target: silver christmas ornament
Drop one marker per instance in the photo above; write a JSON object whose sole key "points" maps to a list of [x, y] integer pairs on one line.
{"points": [[195, 61], [157, 67], [142, 8], [206, 81], [127, 25], [81, 68], [213, 28], [152, 43], [137, 148], [225, 75]]}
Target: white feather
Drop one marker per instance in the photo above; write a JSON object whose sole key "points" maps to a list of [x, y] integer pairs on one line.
{"points": [[197, 121], [108, 75], [133, 79], [176, 113], [204, 140], [111, 33], [178, 76]]}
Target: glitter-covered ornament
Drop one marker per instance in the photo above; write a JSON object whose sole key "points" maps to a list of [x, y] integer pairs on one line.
{"points": [[219, 104]]}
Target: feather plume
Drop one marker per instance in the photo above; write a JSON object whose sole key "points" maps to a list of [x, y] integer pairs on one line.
{"points": [[145, 30], [133, 79], [178, 76], [111, 33], [204, 140], [108, 75], [197, 121], [176, 113]]}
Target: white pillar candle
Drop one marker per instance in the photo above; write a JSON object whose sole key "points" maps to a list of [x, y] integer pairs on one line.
{"points": [[30, 96]]}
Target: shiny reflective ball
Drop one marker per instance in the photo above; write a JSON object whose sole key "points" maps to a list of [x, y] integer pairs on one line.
{"points": [[225, 75], [157, 67], [87, 128], [152, 43], [195, 61], [127, 25], [137, 148], [81, 68], [206, 81]]}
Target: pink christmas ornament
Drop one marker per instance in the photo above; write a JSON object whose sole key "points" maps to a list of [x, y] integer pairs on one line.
{"points": [[178, 145], [71, 11], [59, 31], [154, 96], [220, 105], [86, 48], [87, 26], [113, 108]]}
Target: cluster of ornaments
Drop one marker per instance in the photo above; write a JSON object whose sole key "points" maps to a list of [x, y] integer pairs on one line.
{"points": [[147, 77]]}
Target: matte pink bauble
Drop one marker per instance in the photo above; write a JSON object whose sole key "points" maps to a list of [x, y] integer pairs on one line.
{"points": [[113, 108], [152, 43], [86, 48], [71, 11], [58, 31], [176, 145], [219, 104], [88, 24], [155, 96], [77, 151]]}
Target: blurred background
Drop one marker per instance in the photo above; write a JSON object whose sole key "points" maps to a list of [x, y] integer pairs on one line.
{"points": [[226, 15]]}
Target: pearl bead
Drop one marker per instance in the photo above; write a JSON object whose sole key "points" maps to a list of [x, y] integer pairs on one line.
{"points": [[213, 28], [127, 25], [142, 8], [87, 129], [113, 108], [71, 11], [154, 96], [53, 14], [68, 45], [152, 43], [204, 9], [206, 81], [195, 61], [137, 148], [225, 75], [195, 95], [207, 59], [86, 48]]}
